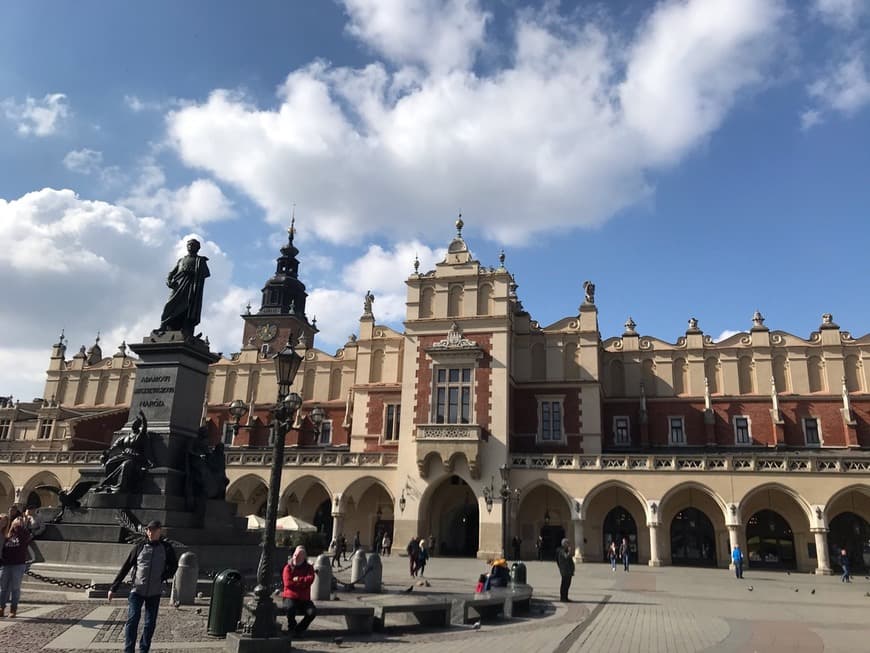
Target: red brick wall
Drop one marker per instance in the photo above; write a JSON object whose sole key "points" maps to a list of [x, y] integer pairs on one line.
{"points": [[482, 381], [524, 419], [825, 409], [378, 398]]}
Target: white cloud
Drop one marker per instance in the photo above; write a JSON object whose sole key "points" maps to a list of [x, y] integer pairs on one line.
{"points": [[843, 14], [84, 161], [438, 34], [90, 266], [810, 118], [846, 88], [197, 203], [37, 117], [564, 135], [383, 271], [138, 105], [727, 333]]}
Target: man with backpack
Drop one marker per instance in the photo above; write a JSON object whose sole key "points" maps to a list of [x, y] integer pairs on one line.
{"points": [[153, 562]]}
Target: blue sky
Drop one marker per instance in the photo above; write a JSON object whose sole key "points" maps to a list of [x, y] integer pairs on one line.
{"points": [[692, 157]]}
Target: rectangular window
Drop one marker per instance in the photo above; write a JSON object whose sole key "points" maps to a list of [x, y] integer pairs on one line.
{"points": [[392, 412], [45, 429], [228, 434], [325, 432], [452, 395], [812, 433], [741, 430], [550, 427], [5, 429], [678, 432], [621, 433]]}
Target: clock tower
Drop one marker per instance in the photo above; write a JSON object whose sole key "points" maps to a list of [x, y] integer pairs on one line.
{"points": [[282, 306]]}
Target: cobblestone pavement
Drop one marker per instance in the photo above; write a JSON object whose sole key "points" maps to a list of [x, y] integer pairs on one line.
{"points": [[666, 609]]}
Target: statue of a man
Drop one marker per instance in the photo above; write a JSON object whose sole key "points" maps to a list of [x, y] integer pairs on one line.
{"points": [[367, 303], [187, 279], [126, 461]]}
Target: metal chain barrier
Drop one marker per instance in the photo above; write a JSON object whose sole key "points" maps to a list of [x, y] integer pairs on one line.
{"points": [[59, 581]]}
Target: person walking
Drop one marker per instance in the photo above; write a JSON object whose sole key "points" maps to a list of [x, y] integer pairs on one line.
{"points": [[422, 558], [298, 576], [845, 564], [431, 548], [539, 547], [343, 544], [153, 562], [516, 544], [14, 558], [356, 542], [336, 552], [624, 553], [388, 543], [413, 549], [737, 559], [612, 553], [565, 561]]}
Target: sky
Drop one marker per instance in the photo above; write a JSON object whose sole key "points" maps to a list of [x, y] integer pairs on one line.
{"points": [[693, 158]]}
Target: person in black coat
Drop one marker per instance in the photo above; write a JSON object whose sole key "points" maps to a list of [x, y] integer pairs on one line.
{"points": [[565, 560]]}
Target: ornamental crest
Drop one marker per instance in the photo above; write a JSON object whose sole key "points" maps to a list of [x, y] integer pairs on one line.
{"points": [[454, 340]]}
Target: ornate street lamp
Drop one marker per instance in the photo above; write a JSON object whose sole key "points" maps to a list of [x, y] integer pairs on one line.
{"points": [[287, 362], [402, 501], [237, 409], [505, 493]]}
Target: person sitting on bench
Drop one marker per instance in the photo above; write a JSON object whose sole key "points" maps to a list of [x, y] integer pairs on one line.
{"points": [[298, 576]]}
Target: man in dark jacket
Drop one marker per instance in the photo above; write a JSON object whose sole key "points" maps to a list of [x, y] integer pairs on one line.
{"points": [[566, 569], [153, 562]]}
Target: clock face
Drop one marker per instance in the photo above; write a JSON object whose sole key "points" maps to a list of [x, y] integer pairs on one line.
{"points": [[267, 332]]}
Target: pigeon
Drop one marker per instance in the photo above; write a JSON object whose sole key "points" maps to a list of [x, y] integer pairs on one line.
{"points": [[813, 591], [788, 573], [796, 589], [338, 641], [750, 588], [476, 625], [409, 590], [866, 593], [198, 611]]}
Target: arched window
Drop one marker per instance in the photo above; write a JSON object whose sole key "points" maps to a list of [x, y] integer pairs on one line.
{"points": [[539, 362], [681, 376], [484, 299], [745, 376], [780, 374], [854, 374], [572, 367], [335, 384], [308, 385], [230, 388], [711, 372], [816, 374], [617, 379], [427, 299], [376, 373], [454, 300], [648, 377]]}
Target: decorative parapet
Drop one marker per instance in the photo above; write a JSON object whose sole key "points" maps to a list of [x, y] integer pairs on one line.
{"points": [[448, 442], [314, 459], [781, 463], [233, 458], [50, 457]]}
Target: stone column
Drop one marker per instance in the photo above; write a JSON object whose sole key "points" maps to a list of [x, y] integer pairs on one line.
{"points": [[733, 540], [654, 560], [823, 567], [578, 540], [337, 524]]}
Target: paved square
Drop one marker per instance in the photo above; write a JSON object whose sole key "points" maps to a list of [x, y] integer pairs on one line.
{"points": [[666, 609]]}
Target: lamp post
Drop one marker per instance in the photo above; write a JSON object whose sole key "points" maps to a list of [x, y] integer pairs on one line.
{"points": [[316, 416], [505, 493], [287, 362]]}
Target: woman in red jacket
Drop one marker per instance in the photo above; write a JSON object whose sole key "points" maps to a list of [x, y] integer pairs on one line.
{"points": [[298, 576]]}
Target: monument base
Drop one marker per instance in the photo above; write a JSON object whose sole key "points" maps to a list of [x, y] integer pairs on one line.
{"points": [[241, 643]]}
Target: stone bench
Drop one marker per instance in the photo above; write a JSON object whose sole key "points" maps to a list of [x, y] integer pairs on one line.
{"points": [[434, 613], [359, 619], [506, 601]]}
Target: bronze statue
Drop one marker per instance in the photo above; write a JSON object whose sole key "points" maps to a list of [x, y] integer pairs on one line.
{"points": [[205, 471], [589, 289], [187, 279], [126, 461]]}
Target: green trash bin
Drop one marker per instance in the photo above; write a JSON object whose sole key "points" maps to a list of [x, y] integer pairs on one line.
{"points": [[225, 608], [518, 573]]}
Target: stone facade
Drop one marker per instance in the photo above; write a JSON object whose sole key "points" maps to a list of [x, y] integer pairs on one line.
{"points": [[477, 424]]}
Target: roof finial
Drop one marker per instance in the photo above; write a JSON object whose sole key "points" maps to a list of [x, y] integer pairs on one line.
{"points": [[97, 341], [501, 258], [248, 308], [416, 264], [292, 230], [459, 225]]}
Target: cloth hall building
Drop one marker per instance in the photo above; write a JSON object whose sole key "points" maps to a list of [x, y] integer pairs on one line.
{"points": [[476, 425]]}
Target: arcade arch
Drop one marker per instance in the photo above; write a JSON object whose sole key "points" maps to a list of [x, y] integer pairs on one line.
{"points": [[777, 528], [449, 511], [249, 493], [7, 492], [613, 510], [544, 512], [367, 506], [31, 496], [693, 526], [848, 519]]}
